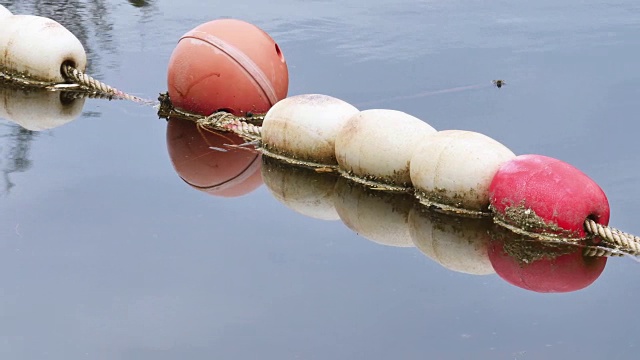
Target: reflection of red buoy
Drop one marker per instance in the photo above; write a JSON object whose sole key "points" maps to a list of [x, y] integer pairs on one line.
{"points": [[230, 173], [545, 195], [545, 271], [227, 65]]}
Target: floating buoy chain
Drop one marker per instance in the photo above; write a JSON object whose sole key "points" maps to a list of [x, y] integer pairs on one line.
{"points": [[225, 121], [614, 237], [80, 78]]}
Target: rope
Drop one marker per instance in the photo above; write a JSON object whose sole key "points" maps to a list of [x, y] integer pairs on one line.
{"points": [[614, 237], [80, 78], [228, 122]]}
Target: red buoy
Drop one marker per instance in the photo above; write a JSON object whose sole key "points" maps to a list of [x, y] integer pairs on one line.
{"points": [[202, 159], [544, 195], [228, 65], [554, 270]]}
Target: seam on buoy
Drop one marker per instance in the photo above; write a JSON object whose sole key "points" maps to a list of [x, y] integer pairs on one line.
{"points": [[243, 60]]}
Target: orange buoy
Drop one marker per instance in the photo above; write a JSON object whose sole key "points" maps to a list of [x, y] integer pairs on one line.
{"points": [[227, 65], [202, 159], [543, 195]]}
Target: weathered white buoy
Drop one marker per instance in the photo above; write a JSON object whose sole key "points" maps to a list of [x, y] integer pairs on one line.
{"points": [[38, 110], [4, 12], [378, 216], [458, 243], [375, 146], [302, 129], [37, 47], [453, 169], [301, 189]]}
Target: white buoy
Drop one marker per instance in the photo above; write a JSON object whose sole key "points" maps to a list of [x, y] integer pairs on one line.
{"points": [[375, 146], [458, 243], [301, 189], [4, 12], [453, 169], [37, 47], [38, 110], [302, 129], [378, 216]]}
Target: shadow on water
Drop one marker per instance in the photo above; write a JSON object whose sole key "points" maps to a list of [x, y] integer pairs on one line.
{"points": [[14, 154]]}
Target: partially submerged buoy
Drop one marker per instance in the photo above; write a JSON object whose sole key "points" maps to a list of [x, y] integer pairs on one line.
{"points": [[38, 109], [375, 146], [543, 195], [203, 159], [301, 189], [378, 216], [227, 65], [460, 244], [544, 267], [453, 169], [302, 129], [35, 47]]}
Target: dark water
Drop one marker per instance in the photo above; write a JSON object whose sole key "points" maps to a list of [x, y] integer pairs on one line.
{"points": [[107, 254]]}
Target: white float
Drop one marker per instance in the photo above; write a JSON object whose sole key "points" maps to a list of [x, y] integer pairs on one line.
{"points": [[378, 216], [4, 12], [453, 169], [301, 189], [375, 147], [36, 47], [458, 243], [38, 110], [302, 129]]}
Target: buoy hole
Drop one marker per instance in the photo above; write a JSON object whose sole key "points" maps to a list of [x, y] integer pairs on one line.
{"points": [[228, 110], [279, 53], [66, 63], [66, 98]]}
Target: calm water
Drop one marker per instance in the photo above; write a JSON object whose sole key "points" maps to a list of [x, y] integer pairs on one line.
{"points": [[106, 253]]}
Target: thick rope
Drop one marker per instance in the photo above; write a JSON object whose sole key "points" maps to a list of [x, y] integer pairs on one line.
{"points": [[80, 78], [614, 237], [228, 122]]}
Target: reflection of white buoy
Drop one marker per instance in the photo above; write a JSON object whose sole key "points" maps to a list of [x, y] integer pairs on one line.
{"points": [[458, 243], [453, 170], [301, 189], [38, 110], [4, 12], [375, 215], [36, 48], [375, 146], [302, 129]]}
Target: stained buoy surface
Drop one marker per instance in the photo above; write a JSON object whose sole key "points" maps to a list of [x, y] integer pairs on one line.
{"points": [[544, 195], [227, 64], [379, 216], [37, 47], [453, 169], [375, 146], [304, 128], [301, 189], [202, 159], [458, 243]]}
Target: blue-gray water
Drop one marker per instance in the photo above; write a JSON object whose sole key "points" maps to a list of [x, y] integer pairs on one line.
{"points": [[105, 253]]}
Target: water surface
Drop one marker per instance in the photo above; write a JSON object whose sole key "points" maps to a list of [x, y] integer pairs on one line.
{"points": [[108, 254]]}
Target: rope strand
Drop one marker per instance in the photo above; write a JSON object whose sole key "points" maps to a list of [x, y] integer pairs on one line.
{"points": [[614, 237], [78, 77]]}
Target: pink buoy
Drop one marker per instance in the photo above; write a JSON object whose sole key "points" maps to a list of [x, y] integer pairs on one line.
{"points": [[228, 65], [545, 268], [543, 195]]}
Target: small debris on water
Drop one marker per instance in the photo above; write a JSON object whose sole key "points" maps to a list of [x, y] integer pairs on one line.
{"points": [[499, 83]]}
